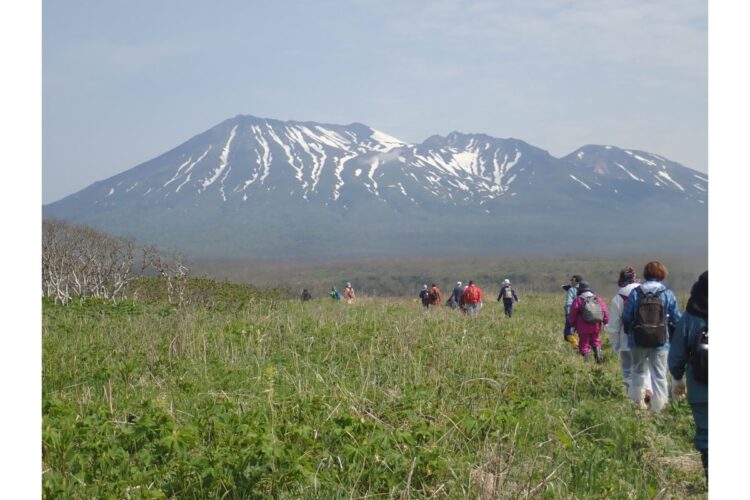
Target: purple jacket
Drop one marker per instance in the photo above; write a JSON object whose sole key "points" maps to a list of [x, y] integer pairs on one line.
{"points": [[576, 319]]}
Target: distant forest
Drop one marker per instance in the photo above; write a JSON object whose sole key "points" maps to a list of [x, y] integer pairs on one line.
{"points": [[404, 277]]}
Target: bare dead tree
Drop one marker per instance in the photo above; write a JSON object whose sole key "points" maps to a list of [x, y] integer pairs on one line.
{"points": [[170, 267], [81, 262]]}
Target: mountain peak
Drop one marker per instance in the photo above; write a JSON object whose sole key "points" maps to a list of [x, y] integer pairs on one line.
{"points": [[245, 168]]}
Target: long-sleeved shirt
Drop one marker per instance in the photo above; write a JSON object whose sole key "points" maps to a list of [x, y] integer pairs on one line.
{"points": [[617, 335], [685, 337], [575, 318], [501, 295], [466, 293], [672, 314]]}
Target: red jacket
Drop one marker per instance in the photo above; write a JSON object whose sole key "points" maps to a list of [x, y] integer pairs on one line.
{"points": [[575, 319], [465, 296]]}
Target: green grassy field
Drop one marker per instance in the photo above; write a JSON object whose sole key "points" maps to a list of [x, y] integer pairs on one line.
{"points": [[380, 399]]}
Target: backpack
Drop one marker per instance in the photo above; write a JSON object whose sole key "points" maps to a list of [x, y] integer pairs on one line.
{"points": [[699, 357], [508, 294], [649, 327], [591, 310], [433, 296], [472, 295]]}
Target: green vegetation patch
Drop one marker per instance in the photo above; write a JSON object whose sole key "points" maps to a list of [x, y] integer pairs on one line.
{"points": [[239, 397]]}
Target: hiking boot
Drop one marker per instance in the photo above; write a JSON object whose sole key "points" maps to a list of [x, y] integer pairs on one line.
{"points": [[647, 396], [586, 357], [598, 355]]}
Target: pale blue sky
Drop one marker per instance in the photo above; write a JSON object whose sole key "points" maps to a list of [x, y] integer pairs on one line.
{"points": [[124, 81]]}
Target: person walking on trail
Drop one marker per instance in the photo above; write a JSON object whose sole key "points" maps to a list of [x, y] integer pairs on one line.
{"points": [[349, 293], [472, 299], [508, 296], [688, 358], [455, 299], [571, 292], [425, 296], [334, 294], [627, 281], [649, 315], [587, 314], [435, 297], [306, 295]]}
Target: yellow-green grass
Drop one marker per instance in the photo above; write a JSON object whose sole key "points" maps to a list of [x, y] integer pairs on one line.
{"points": [[322, 399]]}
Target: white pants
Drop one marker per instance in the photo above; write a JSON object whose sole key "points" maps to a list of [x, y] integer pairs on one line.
{"points": [[626, 362], [645, 360]]}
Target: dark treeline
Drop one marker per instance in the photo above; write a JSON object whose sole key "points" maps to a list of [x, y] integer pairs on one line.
{"points": [[404, 277]]}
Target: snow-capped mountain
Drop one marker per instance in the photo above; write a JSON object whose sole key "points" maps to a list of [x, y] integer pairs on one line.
{"points": [[253, 187]]}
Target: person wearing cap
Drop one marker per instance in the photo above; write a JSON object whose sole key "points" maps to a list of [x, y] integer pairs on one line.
{"points": [[571, 292], [689, 332], [651, 360], [508, 296], [627, 281], [455, 298], [588, 331], [349, 293], [472, 299], [424, 294]]}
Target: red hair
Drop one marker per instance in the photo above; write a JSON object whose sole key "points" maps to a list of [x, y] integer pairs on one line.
{"points": [[655, 271]]}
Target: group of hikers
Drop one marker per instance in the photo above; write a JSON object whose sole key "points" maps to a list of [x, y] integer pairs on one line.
{"points": [[349, 295], [651, 337], [467, 299], [647, 331]]}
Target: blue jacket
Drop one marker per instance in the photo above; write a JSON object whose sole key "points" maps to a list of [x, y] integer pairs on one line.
{"points": [[570, 296], [686, 336], [671, 312]]}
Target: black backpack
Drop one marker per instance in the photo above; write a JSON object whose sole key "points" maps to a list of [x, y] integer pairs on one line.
{"points": [[649, 327], [699, 357]]}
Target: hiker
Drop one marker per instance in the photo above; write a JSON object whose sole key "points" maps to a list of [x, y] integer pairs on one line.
{"points": [[571, 292], [587, 314], [688, 356], [435, 297], [306, 295], [649, 315], [627, 281], [455, 298], [425, 296], [472, 299], [349, 293], [334, 294], [508, 295]]}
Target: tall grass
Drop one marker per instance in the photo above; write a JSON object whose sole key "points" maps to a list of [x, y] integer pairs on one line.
{"points": [[323, 399]]}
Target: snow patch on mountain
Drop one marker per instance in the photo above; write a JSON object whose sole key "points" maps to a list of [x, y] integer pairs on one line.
{"points": [[666, 176], [223, 158], [580, 182], [631, 174]]}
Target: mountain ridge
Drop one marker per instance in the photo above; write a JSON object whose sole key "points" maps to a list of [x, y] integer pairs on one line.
{"points": [[353, 182]]}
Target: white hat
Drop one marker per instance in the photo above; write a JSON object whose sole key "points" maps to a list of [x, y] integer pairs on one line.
{"points": [[506, 282], [424, 287], [458, 283]]}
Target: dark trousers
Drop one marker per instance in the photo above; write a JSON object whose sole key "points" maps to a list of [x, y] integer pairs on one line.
{"points": [[508, 303]]}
